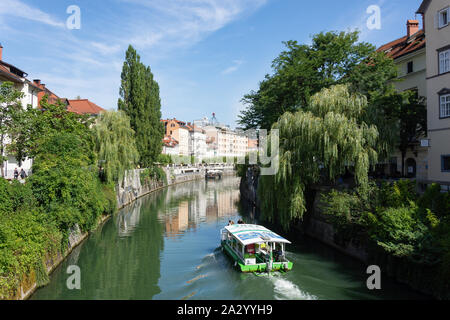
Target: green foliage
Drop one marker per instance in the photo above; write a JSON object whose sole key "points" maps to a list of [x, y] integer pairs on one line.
{"points": [[21, 196], [25, 238], [139, 99], [164, 159], [395, 219], [398, 194], [153, 173], [10, 109], [63, 183], [115, 145], [328, 134], [35, 125], [399, 231], [63, 191], [304, 70], [436, 201], [6, 203]]}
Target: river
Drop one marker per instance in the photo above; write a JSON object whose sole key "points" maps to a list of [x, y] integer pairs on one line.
{"points": [[166, 246]]}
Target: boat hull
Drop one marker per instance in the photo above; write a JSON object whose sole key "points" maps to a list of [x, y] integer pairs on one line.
{"points": [[261, 267]]}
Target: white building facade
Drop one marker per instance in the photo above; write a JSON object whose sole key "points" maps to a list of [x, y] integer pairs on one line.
{"points": [[30, 92]]}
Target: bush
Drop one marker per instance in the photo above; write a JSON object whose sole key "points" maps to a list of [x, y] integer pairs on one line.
{"points": [[65, 186], [399, 231], [154, 173], [21, 196], [435, 200], [6, 204], [25, 238], [398, 194], [164, 159]]}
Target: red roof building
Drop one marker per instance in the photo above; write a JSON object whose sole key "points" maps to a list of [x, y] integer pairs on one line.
{"points": [[84, 106], [413, 41]]}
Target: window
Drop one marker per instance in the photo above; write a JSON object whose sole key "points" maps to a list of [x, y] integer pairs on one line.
{"points": [[444, 61], [443, 16], [410, 67], [445, 163], [445, 106]]}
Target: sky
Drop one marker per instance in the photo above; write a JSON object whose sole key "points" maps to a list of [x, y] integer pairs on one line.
{"points": [[205, 54]]}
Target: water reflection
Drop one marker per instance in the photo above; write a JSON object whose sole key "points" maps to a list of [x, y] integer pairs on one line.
{"points": [[196, 203], [166, 246]]}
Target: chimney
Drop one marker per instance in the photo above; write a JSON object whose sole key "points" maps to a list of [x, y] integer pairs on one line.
{"points": [[1, 52], [37, 81], [412, 27]]}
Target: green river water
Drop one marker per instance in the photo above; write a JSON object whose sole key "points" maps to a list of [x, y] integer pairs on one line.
{"points": [[166, 246]]}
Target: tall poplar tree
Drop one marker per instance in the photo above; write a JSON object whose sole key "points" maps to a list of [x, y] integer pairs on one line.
{"points": [[139, 99]]}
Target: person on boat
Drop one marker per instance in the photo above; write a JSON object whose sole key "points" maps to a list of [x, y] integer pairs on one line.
{"points": [[230, 223], [240, 221]]}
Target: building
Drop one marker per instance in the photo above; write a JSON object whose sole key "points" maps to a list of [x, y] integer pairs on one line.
{"points": [[253, 144], [197, 142], [409, 54], [11, 73], [51, 97], [436, 16], [170, 146], [170, 125], [33, 93], [224, 142], [84, 106]]}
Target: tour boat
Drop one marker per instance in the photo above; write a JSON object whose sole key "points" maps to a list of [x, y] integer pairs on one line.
{"points": [[255, 248]]}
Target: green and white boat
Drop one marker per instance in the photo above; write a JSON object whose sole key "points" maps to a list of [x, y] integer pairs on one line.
{"points": [[255, 248]]}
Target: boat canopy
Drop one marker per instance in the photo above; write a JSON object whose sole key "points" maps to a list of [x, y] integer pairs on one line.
{"points": [[250, 233]]}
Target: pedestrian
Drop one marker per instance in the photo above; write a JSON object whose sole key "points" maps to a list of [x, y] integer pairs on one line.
{"points": [[16, 174], [23, 174]]}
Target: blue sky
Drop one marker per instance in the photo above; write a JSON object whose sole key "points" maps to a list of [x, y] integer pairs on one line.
{"points": [[205, 54]]}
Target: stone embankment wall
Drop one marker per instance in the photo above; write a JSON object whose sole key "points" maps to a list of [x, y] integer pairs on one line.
{"points": [[127, 192]]}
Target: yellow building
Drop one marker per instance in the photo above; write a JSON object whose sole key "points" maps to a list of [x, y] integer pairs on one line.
{"points": [[436, 15]]}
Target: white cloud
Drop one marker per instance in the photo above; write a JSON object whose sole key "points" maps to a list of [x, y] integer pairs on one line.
{"points": [[185, 22], [234, 67], [18, 9]]}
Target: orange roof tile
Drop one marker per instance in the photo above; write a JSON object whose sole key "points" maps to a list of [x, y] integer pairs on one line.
{"points": [[84, 106], [403, 46]]}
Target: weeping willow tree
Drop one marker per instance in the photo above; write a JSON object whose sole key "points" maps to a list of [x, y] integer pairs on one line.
{"points": [[317, 143], [115, 145]]}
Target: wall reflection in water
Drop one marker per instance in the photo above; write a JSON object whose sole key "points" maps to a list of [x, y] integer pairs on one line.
{"points": [[183, 207]]}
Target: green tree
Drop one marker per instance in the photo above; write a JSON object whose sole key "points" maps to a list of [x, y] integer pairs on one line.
{"points": [[409, 111], [10, 107], [303, 70], [320, 142], [32, 125], [115, 145], [139, 99]]}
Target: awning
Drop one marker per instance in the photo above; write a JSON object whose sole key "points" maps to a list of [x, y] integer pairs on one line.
{"points": [[249, 233]]}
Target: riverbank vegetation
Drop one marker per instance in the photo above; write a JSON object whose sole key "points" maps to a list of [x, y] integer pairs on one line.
{"points": [[397, 221], [63, 192], [78, 160], [338, 115]]}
